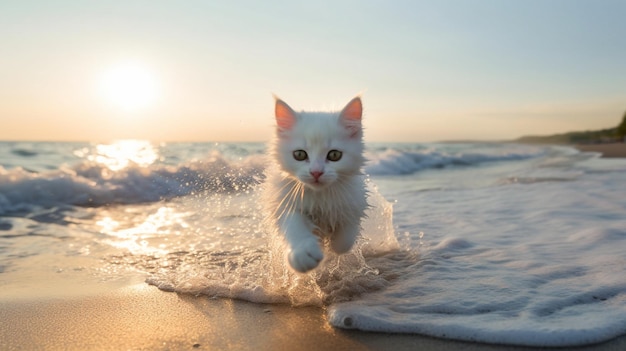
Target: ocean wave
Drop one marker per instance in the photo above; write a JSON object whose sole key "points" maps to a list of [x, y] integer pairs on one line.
{"points": [[96, 181], [93, 184], [398, 162]]}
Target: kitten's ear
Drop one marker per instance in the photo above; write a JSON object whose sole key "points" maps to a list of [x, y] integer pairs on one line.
{"points": [[351, 116], [285, 116]]}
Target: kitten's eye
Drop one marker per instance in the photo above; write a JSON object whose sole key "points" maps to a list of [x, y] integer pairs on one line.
{"points": [[300, 155], [334, 155]]}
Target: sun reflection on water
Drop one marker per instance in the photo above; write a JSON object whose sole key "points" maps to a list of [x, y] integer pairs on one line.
{"points": [[122, 154], [149, 235]]}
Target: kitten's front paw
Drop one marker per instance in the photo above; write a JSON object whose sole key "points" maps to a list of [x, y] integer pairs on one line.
{"points": [[305, 256]]}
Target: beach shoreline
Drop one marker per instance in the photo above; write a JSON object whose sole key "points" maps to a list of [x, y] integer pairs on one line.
{"points": [[610, 150], [140, 316], [71, 282]]}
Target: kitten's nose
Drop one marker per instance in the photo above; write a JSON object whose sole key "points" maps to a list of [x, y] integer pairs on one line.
{"points": [[316, 174]]}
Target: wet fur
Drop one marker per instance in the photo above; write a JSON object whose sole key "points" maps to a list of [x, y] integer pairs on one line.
{"points": [[306, 209]]}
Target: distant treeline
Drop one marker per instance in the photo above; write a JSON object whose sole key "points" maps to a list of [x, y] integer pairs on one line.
{"points": [[591, 136]]}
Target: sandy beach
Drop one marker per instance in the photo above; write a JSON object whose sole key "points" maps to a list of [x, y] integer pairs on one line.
{"points": [[607, 150], [69, 286], [141, 317]]}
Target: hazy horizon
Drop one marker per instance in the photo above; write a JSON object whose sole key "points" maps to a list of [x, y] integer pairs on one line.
{"points": [[198, 71]]}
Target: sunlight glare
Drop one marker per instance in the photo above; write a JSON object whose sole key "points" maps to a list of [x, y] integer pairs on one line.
{"points": [[130, 86], [125, 153], [150, 235]]}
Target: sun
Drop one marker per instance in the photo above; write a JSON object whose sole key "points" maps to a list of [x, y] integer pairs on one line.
{"points": [[130, 86]]}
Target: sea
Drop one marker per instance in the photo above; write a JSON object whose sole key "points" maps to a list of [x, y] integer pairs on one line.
{"points": [[490, 242]]}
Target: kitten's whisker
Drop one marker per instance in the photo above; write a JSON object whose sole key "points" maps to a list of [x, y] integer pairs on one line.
{"points": [[287, 184], [301, 196], [294, 198], [288, 201], [283, 206]]}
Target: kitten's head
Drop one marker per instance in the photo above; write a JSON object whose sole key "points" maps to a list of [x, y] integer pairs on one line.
{"points": [[319, 148]]}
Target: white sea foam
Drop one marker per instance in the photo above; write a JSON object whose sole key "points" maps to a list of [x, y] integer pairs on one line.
{"points": [[536, 264], [402, 161], [94, 184]]}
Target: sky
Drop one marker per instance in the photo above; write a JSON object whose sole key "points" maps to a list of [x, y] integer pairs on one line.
{"points": [[206, 70]]}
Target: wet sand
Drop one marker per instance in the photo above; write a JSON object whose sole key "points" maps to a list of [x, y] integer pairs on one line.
{"points": [[607, 150], [144, 318]]}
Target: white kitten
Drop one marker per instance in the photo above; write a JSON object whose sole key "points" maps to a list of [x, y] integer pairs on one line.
{"points": [[318, 190]]}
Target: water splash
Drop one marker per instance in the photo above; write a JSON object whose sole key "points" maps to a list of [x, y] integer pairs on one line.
{"points": [[260, 273]]}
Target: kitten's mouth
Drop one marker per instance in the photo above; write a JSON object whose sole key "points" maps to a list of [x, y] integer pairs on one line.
{"points": [[317, 184]]}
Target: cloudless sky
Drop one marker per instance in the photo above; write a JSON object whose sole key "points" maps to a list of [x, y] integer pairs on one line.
{"points": [[428, 70]]}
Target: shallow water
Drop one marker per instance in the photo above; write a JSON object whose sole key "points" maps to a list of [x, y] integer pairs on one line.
{"points": [[499, 243]]}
